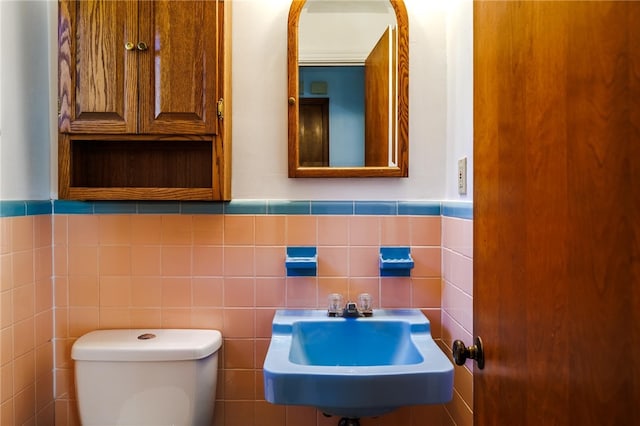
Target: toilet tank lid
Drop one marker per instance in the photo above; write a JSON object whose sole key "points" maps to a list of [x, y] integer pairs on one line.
{"points": [[146, 345]]}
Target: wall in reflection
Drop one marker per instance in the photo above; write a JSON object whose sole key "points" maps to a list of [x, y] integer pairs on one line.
{"points": [[345, 91]]}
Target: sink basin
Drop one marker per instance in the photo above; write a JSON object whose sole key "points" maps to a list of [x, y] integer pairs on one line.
{"points": [[355, 367]]}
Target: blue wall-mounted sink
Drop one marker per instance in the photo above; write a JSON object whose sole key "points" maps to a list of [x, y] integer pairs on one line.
{"points": [[355, 367]]}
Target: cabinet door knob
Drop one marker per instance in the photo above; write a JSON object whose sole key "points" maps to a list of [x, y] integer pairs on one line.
{"points": [[129, 46], [142, 46]]}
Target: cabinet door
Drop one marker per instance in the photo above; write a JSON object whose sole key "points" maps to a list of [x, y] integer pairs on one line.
{"points": [[178, 88], [98, 76]]}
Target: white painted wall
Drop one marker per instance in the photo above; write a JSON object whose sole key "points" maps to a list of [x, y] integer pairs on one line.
{"points": [[459, 96], [25, 113], [440, 104], [1, 97]]}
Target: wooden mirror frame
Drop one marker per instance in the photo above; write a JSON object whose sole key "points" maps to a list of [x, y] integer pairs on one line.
{"points": [[402, 164]]}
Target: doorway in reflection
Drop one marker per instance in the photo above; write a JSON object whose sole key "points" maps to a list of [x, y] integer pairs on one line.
{"points": [[314, 132]]}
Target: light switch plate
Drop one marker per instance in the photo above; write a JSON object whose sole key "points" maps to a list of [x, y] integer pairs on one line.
{"points": [[462, 176]]}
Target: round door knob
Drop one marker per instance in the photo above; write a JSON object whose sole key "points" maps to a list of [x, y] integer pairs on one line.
{"points": [[292, 100], [461, 352], [129, 46], [142, 46]]}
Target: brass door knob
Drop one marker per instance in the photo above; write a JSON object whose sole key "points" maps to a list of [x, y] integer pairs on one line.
{"points": [[292, 101], [142, 46], [129, 46]]}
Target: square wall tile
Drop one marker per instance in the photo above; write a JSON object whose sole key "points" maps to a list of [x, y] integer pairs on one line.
{"points": [[145, 229], [239, 292], [207, 291], [239, 261], [114, 229], [270, 292], [23, 233], [395, 231], [207, 229], [207, 261], [270, 261], [301, 230], [333, 261], [239, 323], [114, 260], [239, 230], [333, 230], [364, 231], [270, 230], [83, 230], [176, 230]]}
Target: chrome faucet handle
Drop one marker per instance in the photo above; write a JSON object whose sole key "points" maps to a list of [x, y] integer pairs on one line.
{"points": [[365, 304], [335, 305]]}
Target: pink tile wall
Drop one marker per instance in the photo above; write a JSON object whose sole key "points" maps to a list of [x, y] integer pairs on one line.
{"points": [[457, 311], [227, 272], [26, 321]]}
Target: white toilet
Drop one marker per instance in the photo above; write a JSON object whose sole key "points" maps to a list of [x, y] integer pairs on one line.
{"points": [[146, 377]]}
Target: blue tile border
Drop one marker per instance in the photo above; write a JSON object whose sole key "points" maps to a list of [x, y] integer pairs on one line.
{"points": [[10, 208], [460, 210], [155, 207], [457, 209], [13, 208], [377, 208], [246, 207], [289, 207], [39, 207], [201, 207], [72, 207], [332, 207], [113, 207], [419, 208]]}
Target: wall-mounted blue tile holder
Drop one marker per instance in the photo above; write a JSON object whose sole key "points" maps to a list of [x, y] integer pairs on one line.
{"points": [[302, 261], [395, 262]]}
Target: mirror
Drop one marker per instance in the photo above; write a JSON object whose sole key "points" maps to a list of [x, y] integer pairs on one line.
{"points": [[348, 82]]}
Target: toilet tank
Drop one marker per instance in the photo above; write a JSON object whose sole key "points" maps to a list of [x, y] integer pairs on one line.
{"points": [[146, 377]]}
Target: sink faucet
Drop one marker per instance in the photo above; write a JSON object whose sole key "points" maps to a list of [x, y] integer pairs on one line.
{"points": [[351, 310]]}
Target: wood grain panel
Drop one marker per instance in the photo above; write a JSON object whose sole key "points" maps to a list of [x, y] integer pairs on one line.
{"points": [[377, 109], [293, 85], [223, 141], [178, 74], [556, 223], [95, 166], [160, 194], [98, 77], [402, 86], [136, 98]]}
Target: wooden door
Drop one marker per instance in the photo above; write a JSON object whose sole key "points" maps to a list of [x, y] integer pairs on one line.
{"points": [[380, 96], [179, 71], [314, 132], [98, 76], [557, 212]]}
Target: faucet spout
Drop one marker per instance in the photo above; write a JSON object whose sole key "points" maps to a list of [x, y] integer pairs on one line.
{"points": [[351, 310]]}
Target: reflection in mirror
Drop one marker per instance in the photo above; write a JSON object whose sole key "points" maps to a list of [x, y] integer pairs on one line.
{"points": [[348, 88]]}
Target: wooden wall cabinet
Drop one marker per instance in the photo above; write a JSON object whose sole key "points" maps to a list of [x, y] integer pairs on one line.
{"points": [[144, 105]]}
